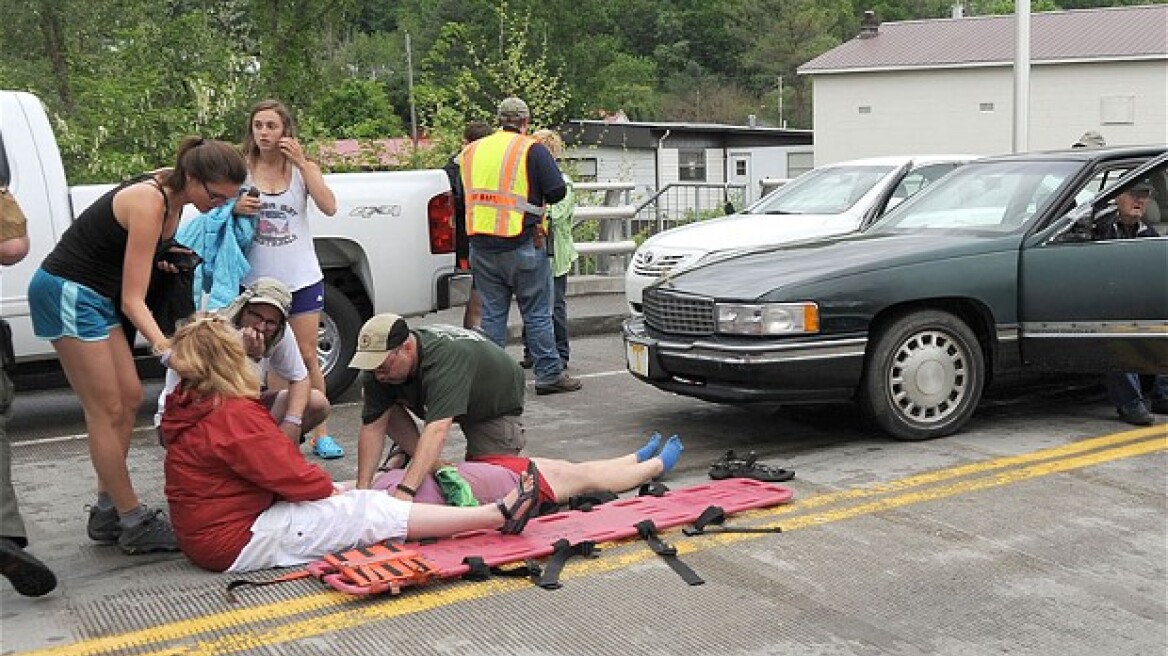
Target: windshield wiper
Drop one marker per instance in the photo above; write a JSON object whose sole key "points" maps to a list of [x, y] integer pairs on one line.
{"points": [[781, 212]]}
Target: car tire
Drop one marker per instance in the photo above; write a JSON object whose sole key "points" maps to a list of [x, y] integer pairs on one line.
{"points": [[924, 377], [337, 341]]}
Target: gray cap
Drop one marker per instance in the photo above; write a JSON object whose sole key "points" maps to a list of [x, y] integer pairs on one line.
{"points": [[513, 107], [1090, 139], [1143, 184]]}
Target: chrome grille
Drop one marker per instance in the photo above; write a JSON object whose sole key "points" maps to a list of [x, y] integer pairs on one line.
{"points": [[657, 266], [678, 314]]}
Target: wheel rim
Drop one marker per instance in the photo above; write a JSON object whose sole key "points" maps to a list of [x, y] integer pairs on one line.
{"points": [[328, 344], [929, 377]]}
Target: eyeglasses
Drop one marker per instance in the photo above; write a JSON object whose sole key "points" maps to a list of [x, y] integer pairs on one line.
{"points": [[215, 196], [259, 319]]}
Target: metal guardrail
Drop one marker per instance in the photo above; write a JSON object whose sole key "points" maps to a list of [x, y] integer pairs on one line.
{"points": [[613, 244], [619, 221]]}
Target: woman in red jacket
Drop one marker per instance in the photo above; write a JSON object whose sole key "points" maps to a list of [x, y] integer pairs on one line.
{"points": [[241, 495]]}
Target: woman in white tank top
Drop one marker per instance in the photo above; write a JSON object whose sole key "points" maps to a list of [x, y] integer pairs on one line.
{"points": [[283, 247]]}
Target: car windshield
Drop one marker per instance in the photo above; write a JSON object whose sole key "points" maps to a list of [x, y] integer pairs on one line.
{"points": [[984, 197], [826, 190]]}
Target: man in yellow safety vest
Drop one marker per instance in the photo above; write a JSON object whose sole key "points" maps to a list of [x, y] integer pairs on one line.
{"points": [[508, 178]]}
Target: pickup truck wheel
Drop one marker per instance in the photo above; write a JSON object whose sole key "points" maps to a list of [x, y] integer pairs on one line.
{"points": [[337, 341], [924, 377]]}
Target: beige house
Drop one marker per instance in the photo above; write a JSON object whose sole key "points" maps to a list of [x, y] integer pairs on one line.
{"points": [[946, 85]]}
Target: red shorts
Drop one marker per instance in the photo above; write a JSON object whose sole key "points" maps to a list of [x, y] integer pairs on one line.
{"points": [[518, 464]]}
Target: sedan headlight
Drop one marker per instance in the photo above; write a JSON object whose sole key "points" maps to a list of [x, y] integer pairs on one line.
{"points": [[768, 318]]}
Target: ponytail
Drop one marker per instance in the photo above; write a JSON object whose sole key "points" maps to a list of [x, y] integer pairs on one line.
{"points": [[206, 160]]}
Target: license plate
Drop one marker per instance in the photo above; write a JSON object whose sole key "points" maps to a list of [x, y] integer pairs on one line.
{"points": [[638, 358]]}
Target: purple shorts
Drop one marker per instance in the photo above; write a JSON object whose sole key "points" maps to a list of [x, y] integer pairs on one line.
{"points": [[308, 299]]}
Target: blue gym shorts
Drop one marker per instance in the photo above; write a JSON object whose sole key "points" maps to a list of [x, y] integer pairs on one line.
{"points": [[63, 308], [308, 299]]}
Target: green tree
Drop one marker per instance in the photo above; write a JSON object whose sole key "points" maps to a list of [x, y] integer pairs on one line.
{"points": [[628, 83], [464, 77], [357, 109], [290, 35]]}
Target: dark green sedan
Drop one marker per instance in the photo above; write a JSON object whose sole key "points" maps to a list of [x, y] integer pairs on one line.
{"points": [[991, 270]]}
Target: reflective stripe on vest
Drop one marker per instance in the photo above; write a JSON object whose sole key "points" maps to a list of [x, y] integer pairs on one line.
{"points": [[495, 184]]}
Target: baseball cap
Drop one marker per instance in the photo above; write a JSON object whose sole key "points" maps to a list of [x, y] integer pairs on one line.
{"points": [[1143, 184], [513, 107], [380, 335], [1090, 139], [270, 292]]}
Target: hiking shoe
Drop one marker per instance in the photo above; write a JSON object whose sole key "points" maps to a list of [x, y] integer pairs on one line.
{"points": [[1160, 406], [103, 525], [564, 383], [731, 466], [152, 534], [29, 576], [1136, 414]]}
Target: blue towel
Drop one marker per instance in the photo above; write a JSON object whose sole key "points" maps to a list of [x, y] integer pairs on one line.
{"points": [[222, 239]]}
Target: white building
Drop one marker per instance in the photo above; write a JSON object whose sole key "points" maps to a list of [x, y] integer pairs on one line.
{"points": [[655, 155], [947, 85]]}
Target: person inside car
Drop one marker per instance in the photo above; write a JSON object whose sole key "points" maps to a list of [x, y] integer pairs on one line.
{"points": [[1125, 389]]}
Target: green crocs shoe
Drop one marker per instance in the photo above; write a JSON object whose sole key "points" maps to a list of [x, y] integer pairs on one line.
{"points": [[454, 487]]}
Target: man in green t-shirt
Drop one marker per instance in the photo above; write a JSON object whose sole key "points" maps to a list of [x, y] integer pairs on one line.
{"points": [[441, 375]]}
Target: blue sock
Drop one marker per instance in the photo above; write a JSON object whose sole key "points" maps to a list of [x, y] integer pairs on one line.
{"points": [[650, 448], [671, 452]]}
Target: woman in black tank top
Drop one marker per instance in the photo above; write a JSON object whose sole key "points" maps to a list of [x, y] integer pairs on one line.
{"points": [[103, 263]]}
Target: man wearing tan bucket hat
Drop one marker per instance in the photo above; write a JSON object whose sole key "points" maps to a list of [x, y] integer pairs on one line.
{"points": [[441, 375], [261, 315]]}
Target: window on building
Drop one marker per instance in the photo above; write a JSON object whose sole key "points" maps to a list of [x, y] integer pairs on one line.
{"points": [[985, 107], [580, 169], [740, 167], [1117, 110], [865, 109], [799, 163], [691, 165]]}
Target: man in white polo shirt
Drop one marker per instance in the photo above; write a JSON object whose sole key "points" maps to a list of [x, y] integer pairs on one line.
{"points": [[261, 314]]}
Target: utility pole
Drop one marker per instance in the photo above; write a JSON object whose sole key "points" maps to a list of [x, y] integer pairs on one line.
{"points": [[410, 85], [1021, 77], [782, 123]]}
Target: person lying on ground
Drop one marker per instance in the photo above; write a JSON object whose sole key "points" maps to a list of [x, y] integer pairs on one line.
{"points": [[243, 498], [491, 477]]}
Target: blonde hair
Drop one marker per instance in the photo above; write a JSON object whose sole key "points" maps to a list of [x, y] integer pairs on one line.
{"points": [[551, 140], [209, 356]]}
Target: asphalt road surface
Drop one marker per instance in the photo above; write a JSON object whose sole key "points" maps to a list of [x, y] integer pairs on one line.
{"points": [[1040, 529]]}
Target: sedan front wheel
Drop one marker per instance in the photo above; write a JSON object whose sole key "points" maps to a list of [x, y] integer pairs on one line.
{"points": [[924, 377]]}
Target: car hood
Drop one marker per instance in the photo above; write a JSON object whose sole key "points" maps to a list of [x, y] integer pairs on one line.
{"points": [[754, 274], [750, 230]]}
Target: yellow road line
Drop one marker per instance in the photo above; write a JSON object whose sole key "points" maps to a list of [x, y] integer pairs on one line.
{"points": [[1059, 459]]}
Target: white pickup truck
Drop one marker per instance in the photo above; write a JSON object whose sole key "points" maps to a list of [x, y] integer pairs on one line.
{"points": [[388, 248]]}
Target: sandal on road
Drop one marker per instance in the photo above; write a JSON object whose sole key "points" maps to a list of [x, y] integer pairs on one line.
{"points": [[327, 448], [731, 466], [517, 515]]}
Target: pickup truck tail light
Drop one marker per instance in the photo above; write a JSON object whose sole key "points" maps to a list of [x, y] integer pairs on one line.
{"points": [[440, 213]]}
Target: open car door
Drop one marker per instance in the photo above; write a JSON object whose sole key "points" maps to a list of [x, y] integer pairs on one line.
{"points": [[1089, 305]]}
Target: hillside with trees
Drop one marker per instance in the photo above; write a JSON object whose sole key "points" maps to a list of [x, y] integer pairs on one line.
{"points": [[125, 79]]}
